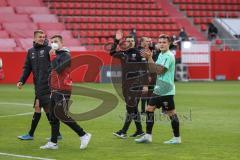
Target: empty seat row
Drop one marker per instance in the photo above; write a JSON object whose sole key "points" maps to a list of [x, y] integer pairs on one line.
{"points": [[10, 17], [104, 26], [25, 30], [208, 7], [212, 14], [109, 1], [4, 34], [208, 1], [15, 3], [157, 20], [202, 20], [111, 33], [85, 12], [24, 10], [66, 5]]}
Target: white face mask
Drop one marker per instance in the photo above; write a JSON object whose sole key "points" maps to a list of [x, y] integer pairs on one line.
{"points": [[54, 46]]}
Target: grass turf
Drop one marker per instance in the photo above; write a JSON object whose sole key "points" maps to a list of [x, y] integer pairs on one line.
{"points": [[213, 132]]}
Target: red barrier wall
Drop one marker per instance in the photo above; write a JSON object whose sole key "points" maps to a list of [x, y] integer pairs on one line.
{"points": [[13, 64], [223, 63]]}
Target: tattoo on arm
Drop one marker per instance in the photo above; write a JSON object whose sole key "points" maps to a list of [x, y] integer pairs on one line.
{"points": [[154, 68]]}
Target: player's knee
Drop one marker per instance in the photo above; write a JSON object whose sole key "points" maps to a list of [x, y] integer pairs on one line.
{"points": [[37, 108], [150, 108], [171, 112]]}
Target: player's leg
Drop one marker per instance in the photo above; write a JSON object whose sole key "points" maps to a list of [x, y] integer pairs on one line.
{"points": [[122, 133], [52, 143], [35, 119], [171, 112], [137, 119], [60, 112], [149, 125], [47, 108], [153, 102]]}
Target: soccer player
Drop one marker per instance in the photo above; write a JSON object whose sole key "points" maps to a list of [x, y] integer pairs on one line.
{"points": [[164, 90], [129, 56], [61, 86], [37, 62]]}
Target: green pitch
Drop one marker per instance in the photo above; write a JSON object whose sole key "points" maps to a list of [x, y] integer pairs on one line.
{"points": [[209, 114]]}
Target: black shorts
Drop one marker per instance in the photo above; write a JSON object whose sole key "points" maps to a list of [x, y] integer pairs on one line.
{"points": [[166, 102], [44, 100]]}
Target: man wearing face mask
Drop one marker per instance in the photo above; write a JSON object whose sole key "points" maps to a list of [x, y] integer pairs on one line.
{"points": [[131, 62], [38, 63], [61, 86]]}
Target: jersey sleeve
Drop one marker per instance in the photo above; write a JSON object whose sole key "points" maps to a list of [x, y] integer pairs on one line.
{"points": [[164, 61]]}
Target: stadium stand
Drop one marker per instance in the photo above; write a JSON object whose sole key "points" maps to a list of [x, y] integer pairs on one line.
{"points": [[94, 22], [18, 20], [204, 11]]}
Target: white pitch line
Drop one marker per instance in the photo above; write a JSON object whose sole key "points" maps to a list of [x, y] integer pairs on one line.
{"points": [[23, 156], [18, 104], [20, 114]]}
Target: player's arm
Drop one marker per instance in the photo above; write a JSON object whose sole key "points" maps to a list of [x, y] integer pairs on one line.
{"points": [[59, 64], [27, 69], [154, 68], [113, 51]]}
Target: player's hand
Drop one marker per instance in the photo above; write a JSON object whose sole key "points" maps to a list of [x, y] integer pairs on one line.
{"points": [[19, 85], [145, 89], [146, 53], [119, 34], [52, 52]]}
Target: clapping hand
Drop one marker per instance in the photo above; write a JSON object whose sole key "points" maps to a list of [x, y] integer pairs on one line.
{"points": [[146, 53]]}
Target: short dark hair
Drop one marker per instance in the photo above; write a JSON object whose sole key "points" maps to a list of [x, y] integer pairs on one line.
{"points": [[57, 36], [37, 32], [165, 36], [129, 36]]}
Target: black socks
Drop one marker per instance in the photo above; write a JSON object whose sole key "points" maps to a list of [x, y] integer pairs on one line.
{"points": [[175, 125], [35, 120]]}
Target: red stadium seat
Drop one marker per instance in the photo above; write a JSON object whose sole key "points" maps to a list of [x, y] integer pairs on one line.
{"points": [[38, 18], [71, 42], [13, 18], [20, 30], [4, 34], [25, 43], [64, 33], [7, 44], [32, 10], [51, 26], [32, 3], [3, 3], [203, 27], [7, 10]]}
